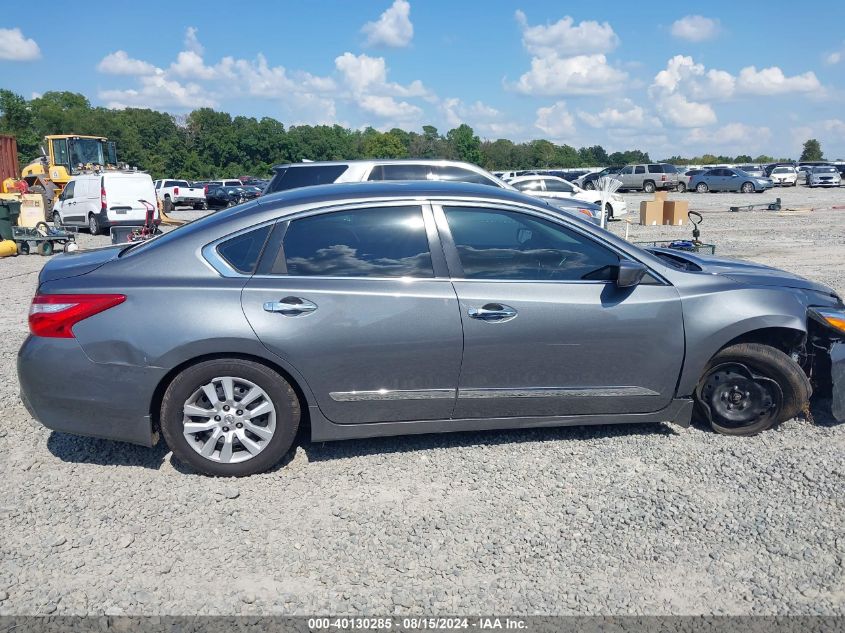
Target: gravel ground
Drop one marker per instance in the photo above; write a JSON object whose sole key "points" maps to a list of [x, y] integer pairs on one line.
{"points": [[645, 519]]}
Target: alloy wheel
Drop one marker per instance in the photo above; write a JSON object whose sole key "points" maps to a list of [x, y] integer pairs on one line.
{"points": [[229, 420]]}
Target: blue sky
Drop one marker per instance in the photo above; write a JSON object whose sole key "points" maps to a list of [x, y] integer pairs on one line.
{"points": [[669, 78]]}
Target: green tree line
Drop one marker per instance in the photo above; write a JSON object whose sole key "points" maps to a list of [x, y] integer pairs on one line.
{"points": [[207, 143]]}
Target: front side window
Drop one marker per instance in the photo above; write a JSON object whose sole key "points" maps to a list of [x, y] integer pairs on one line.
{"points": [[377, 242], [495, 244], [627, 170], [67, 192]]}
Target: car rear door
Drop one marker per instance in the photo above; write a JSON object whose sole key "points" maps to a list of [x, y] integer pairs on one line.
{"points": [[358, 300], [546, 330]]}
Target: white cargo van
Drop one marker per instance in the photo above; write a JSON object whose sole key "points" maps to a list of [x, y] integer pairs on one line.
{"points": [[100, 201]]}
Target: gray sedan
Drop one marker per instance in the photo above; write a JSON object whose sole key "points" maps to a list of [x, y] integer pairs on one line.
{"points": [[376, 309], [728, 179]]}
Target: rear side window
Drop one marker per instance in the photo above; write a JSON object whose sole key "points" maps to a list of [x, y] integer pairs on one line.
{"points": [[460, 174], [242, 252], [377, 242], [305, 176], [400, 172]]}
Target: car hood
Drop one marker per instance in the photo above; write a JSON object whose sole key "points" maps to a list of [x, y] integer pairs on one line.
{"points": [[745, 272], [77, 263]]}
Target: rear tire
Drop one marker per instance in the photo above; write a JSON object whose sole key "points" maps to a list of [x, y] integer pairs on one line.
{"points": [[682, 187], [750, 387], [589, 186], [94, 225], [168, 204], [276, 390], [648, 186]]}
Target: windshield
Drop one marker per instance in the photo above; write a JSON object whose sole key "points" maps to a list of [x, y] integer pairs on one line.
{"points": [[783, 170], [86, 151]]}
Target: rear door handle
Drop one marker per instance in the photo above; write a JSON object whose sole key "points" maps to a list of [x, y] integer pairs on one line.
{"points": [[291, 306], [494, 312]]}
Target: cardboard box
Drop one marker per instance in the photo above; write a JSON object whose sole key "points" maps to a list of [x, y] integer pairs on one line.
{"points": [[651, 212], [661, 195], [675, 212]]}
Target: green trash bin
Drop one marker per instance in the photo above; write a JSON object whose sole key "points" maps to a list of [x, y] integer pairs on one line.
{"points": [[9, 212]]}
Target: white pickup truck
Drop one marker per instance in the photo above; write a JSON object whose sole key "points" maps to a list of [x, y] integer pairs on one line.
{"points": [[173, 193]]}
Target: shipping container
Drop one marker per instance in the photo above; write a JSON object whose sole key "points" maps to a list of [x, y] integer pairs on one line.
{"points": [[9, 167]]}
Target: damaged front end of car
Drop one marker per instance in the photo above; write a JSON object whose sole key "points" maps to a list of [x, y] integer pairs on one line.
{"points": [[826, 356]]}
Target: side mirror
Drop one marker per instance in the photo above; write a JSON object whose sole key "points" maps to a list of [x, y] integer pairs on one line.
{"points": [[630, 273]]}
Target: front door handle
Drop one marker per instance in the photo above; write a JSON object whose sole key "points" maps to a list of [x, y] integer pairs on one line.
{"points": [[493, 312], [291, 306]]}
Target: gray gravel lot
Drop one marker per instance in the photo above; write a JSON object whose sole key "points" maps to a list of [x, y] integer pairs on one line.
{"points": [[643, 519]]}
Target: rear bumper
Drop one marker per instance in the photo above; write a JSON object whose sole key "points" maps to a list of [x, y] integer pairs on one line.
{"points": [[66, 391], [837, 376], [106, 222]]}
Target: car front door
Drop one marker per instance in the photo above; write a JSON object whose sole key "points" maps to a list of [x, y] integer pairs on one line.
{"points": [[72, 210], [358, 301], [547, 332], [626, 177]]}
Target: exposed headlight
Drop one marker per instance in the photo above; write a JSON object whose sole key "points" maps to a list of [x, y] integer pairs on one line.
{"points": [[832, 317]]}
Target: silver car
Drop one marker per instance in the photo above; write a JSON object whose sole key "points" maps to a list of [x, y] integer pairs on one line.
{"points": [[824, 176], [376, 309]]}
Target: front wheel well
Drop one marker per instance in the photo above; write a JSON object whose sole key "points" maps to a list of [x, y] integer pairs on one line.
{"points": [[164, 383], [787, 340]]}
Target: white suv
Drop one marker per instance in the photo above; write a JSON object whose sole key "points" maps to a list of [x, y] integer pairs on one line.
{"points": [[298, 175], [100, 201]]}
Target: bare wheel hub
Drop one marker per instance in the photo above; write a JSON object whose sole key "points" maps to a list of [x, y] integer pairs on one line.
{"points": [[737, 397]]}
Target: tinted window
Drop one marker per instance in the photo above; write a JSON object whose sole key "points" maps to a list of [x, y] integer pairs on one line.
{"points": [[496, 244], [460, 174], [67, 192], [655, 169], [242, 252], [639, 169], [175, 183], [400, 172], [383, 242], [670, 169], [627, 170], [558, 186], [305, 176]]}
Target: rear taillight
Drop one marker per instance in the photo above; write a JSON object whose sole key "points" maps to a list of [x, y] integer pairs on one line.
{"points": [[54, 316], [175, 191], [663, 178], [205, 189], [103, 198]]}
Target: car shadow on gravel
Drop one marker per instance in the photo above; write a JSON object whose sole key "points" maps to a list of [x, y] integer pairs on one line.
{"points": [[322, 451], [89, 450]]}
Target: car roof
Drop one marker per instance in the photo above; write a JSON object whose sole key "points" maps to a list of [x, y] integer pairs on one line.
{"points": [[535, 177], [381, 161], [396, 189]]}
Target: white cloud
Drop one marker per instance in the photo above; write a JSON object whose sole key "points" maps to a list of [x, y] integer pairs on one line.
{"points": [[363, 73], [389, 108], [393, 28], [578, 75], [695, 28], [556, 121], [15, 47], [737, 135], [772, 81], [119, 63], [564, 37], [836, 56], [156, 91], [626, 115], [484, 119], [192, 43], [678, 111]]}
